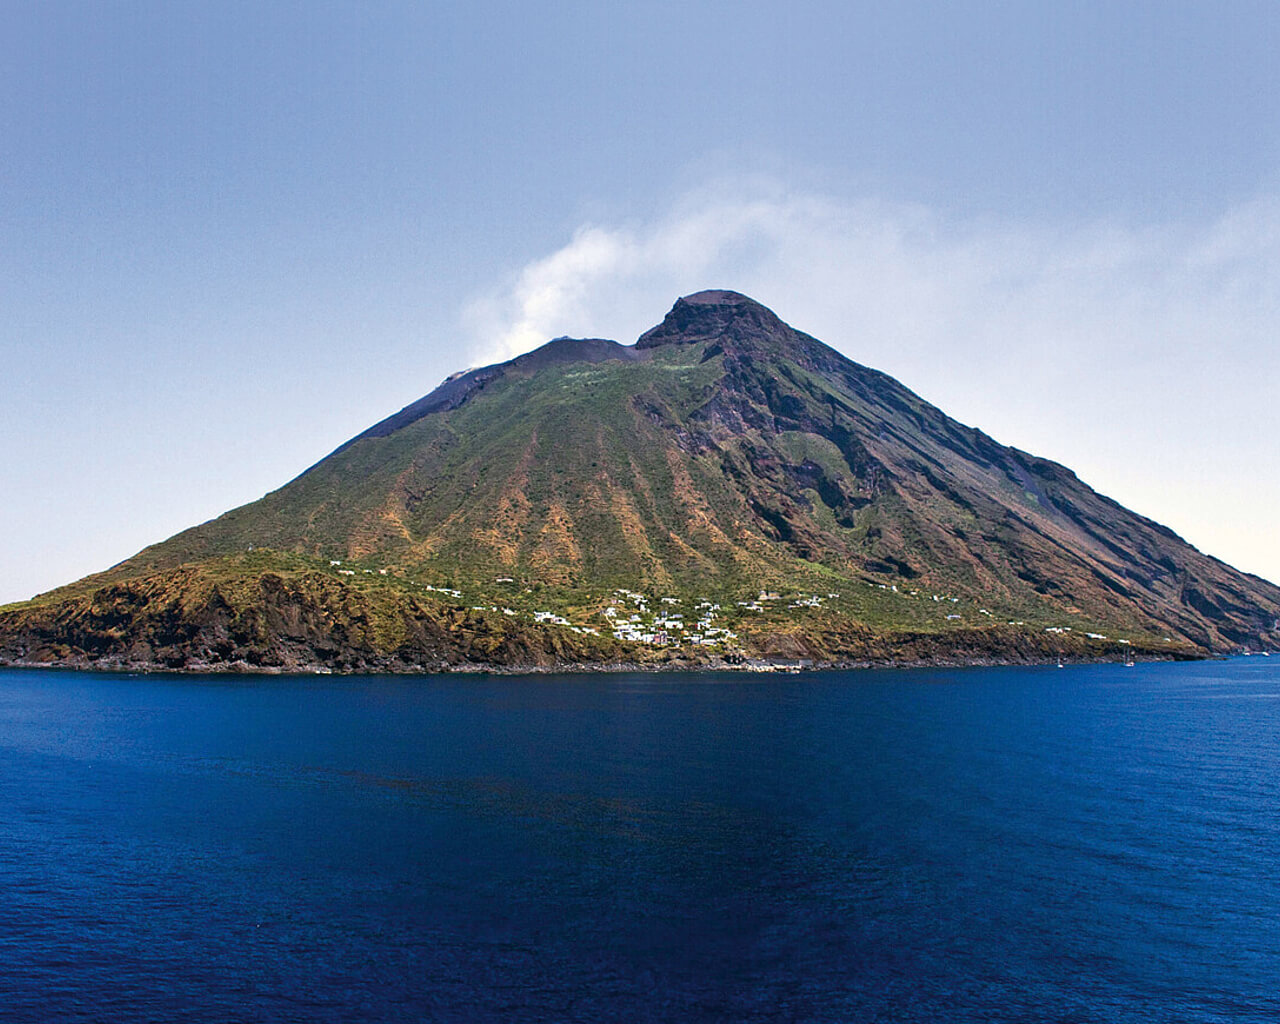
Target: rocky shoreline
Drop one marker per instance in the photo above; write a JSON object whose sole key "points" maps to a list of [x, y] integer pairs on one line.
{"points": [[308, 623], [395, 667]]}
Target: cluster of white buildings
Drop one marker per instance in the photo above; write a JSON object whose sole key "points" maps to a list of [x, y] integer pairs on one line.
{"points": [[335, 562], [667, 627], [813, 601]]}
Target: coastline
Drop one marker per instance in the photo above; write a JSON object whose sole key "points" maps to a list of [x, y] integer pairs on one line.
{"points": [[745, 667]]}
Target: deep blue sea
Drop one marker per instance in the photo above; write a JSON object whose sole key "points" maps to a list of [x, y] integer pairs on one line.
{"points": [[1087, 844]]}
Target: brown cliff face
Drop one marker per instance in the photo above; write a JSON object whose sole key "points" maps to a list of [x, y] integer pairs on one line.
{"points": [[723, 455], [204, 618]]}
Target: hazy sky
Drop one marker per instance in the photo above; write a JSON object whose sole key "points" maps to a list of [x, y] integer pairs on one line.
{"points": [[232, 235]]}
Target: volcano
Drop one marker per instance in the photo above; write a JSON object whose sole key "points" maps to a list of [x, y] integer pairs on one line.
{"points": [[726, 491]]}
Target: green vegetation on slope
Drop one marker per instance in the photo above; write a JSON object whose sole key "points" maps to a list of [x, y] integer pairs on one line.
{"points": [[726, 457]]}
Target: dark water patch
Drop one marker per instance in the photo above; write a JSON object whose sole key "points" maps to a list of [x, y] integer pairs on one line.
{"points": [[1094, 843]]}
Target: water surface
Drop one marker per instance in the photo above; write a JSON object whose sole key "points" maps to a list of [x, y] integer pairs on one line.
{"points": [[1086, 844]]}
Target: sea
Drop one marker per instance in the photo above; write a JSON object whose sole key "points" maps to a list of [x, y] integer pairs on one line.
{"points": [[1092, 843]]}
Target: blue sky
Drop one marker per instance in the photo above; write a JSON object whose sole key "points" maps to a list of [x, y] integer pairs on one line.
{"points": [[233, 235]]}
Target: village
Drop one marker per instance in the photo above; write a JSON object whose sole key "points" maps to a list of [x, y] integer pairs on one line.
{"points": [[664, 626], [635, 617]]}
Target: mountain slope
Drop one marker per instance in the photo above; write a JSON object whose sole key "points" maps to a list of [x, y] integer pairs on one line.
{"points": [[725, 455]]}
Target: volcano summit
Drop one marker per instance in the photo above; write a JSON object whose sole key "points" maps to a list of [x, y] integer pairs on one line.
{"points": [[727, 490]]}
